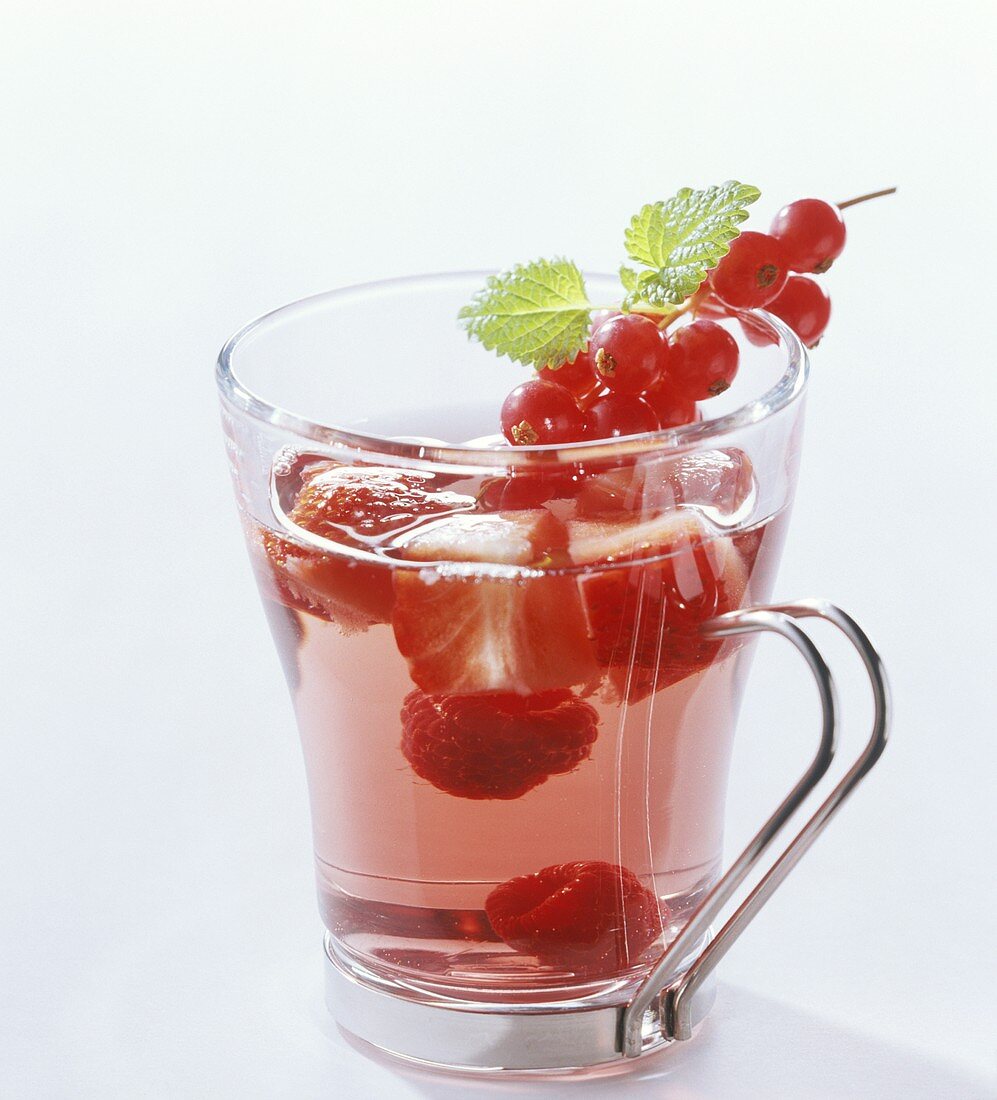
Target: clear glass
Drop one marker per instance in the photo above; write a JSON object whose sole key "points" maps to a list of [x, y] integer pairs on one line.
{"points": [[507, 676]]}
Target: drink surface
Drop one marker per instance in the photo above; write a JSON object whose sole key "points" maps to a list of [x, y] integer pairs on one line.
{"points": [[516, 737]]}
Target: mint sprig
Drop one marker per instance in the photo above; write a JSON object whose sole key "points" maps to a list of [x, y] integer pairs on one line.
{"points": [[681, 239], [538, 313]]}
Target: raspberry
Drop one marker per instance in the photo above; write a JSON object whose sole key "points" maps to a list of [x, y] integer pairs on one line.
{"points": [[495, 744], [588, 916]]}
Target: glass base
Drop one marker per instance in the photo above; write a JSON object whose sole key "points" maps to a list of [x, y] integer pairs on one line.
{"points": [[571, 1037]]}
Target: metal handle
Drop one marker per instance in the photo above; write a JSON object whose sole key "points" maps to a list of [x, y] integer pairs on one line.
{"points": [[663, 1003]]}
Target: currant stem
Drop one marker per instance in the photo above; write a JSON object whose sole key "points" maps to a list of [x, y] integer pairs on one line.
{"points": [[865, 198], [690, 305], [687, 307]]}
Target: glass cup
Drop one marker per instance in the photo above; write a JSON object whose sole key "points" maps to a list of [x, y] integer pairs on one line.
{"points": [[516, 672]]}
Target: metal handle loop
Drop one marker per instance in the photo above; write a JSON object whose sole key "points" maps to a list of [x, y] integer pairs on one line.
{"points": [[668, 994]]}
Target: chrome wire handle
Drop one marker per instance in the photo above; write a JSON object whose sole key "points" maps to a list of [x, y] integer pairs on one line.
{"points": [[663, 1005]]}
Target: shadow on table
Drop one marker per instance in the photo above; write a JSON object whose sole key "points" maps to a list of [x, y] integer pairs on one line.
{"points": [[750, 1047]]}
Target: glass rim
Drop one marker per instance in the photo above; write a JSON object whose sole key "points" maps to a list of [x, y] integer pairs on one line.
{"points": [[790, 386]]}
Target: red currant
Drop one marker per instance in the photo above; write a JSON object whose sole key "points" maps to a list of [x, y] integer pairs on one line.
{"points": [[752, 273], [805, 306], [594, 395], [578, 376], [619, 414], [627, 352], [585, 399], [703, 361], [539, 412], [812, 233], [671, 407], [756, 331], [600, 317], [527, 490]]}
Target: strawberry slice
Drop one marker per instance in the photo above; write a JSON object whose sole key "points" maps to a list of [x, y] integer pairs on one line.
{"points": [[368, 502], [474, 624], [354, 507], [590, 917], [495, 744], [645, 618], [345, 591], [718, 479]]}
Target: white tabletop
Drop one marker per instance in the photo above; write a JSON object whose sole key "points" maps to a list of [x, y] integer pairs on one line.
{"points": [[170, 172]]}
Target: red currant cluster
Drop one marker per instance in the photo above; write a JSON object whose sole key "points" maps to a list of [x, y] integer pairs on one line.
{"points": [[632, 378], [805, 238]]}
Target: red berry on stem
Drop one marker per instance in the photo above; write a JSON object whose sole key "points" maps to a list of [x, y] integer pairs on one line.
{"points": [[589, 399], [600, 317], [539, 412], [752, 273], [704, 360], [805, 306], [528, 489], [586, 399], [757, 331], [619, 414], [578, 376], [812, 233], [627, 352], [671, 407]]}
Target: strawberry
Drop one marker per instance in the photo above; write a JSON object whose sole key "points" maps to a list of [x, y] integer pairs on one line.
{"points": [[368, 502], [495, 744], [349, 592], [720, 479], [483, 620], [645, 618], [589, 916], [352, 506]]}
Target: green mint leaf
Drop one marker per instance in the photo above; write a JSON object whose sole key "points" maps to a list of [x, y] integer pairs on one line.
{"points": [[681, 239], [536, 313], [635, 298], [652, 292]]}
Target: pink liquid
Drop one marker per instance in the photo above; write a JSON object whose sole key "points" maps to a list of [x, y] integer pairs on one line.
{"points": [[404, 868]]}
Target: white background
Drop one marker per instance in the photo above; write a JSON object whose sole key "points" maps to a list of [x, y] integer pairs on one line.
{"points": [[170, 171]]}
